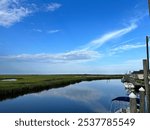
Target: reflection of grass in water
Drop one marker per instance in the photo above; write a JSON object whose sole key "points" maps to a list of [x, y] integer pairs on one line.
{"points": [[36, 83]]}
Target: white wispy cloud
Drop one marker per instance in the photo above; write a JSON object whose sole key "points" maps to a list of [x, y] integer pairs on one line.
{"points": [[11, 11], [45, 31], [53, 6], [109, 36], [37, 30], [54, 58], [125, 47], [138, 16], [87, 94], [86, 53], [124, 42], [54, 31]]}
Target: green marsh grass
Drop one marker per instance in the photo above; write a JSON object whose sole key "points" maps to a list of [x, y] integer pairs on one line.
{"points": [[35, 83]]}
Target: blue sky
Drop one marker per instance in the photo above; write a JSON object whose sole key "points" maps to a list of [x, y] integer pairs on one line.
{"points": [[72, 36]]}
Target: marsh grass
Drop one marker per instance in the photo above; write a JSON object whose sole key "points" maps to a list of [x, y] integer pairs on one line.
{"points": [[36, 83]]}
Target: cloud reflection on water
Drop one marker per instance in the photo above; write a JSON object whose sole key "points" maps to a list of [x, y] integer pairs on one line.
{"points": [[93, 94]]}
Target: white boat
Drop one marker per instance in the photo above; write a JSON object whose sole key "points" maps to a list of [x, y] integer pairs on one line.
{"points": [[128, 85]]}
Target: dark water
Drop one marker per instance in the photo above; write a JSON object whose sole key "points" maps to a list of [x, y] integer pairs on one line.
{"points": [[93, 96]]}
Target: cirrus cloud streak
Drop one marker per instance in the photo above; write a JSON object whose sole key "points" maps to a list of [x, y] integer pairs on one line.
{"points": [[54, 58]]}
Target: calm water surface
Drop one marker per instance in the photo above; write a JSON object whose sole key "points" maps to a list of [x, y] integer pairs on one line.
{"points": [[93, 96]]}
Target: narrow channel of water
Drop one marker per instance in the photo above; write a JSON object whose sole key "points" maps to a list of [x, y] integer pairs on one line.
{"points": [[93, 96]]}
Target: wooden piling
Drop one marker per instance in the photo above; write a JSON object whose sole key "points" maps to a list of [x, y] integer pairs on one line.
{"points": [[146, 84], [147, 53], [133, 103], [142, 100]]}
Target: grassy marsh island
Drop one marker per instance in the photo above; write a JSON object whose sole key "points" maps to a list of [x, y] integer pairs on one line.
{"points": [[16, 85]]}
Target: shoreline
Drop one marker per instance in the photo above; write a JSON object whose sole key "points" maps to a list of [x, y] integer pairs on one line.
{"points": [[26, 84]]}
